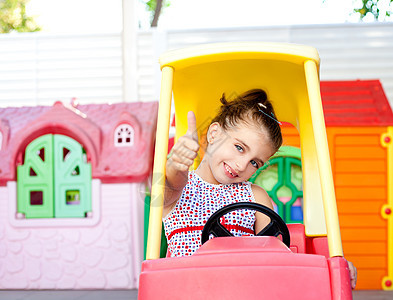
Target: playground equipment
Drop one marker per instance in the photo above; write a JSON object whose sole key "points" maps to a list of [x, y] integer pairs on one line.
{"points": [[249, 267]]}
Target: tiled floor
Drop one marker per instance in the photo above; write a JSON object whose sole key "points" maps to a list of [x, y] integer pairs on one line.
{"points": [[373, 295], [69, 295], [133, 295]]}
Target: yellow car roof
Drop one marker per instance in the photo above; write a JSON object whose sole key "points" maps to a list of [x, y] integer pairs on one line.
{"points": [[198, 76]]}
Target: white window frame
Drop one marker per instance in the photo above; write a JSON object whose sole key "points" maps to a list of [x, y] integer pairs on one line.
{"points": [[124, 131]]}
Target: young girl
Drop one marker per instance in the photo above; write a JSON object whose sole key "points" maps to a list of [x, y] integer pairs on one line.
{"points": [[241, 138]]}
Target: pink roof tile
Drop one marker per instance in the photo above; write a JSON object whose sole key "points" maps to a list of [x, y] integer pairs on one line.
{"points": [[91, 125]]}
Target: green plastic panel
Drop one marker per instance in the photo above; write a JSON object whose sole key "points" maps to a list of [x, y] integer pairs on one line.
{"points": [[72, 183], [164, 243], [281, 177], [291, 174], [35, 180]]}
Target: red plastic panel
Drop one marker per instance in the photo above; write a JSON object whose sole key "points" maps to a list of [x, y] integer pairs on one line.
{"points": [[340, 279], [355, 103], [298, 238], [237, 268], [318, 245]]}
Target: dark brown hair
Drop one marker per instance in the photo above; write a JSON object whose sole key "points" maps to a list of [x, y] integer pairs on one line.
{"points": [[252, 104]]}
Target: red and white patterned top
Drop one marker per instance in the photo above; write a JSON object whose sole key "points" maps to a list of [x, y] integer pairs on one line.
{"points": [[199, 200]]}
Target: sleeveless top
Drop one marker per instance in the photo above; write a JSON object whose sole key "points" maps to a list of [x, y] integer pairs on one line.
{"points": [[198, 201]]}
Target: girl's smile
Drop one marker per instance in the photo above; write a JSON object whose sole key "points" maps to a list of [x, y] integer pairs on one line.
{"points": [[229, 171]]}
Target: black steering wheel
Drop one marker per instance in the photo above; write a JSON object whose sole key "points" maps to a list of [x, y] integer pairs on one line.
{"points": [[275, 228]]}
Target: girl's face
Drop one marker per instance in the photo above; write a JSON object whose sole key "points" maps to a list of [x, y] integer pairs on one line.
{"points": [[233, 155]]}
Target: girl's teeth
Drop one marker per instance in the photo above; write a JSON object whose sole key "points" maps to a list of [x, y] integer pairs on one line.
{"points": [[229, 170]]}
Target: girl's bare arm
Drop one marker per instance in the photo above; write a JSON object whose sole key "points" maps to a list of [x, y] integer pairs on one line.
{"points": [[263, 198]]}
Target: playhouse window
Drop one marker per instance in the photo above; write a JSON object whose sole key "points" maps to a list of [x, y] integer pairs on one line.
{"points": [[54, 180], [124, 136], [281, 177]]}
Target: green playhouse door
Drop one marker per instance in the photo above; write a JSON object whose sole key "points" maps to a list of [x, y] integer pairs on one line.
{"points": [[55, 179], [282, 180]]}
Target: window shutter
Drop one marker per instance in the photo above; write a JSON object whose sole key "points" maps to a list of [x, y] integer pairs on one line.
{"points": [[35, 180], [72, 182]]}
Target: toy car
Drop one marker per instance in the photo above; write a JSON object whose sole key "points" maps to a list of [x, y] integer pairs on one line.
{"points": [[307, 262]]}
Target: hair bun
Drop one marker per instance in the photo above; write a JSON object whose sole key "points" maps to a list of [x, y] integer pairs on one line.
{"points": [[252, 104], [258, 95], [223, 100]]}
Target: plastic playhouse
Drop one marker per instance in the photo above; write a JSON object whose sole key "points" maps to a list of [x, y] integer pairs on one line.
{"points": [[311, 265], [72, 194]]}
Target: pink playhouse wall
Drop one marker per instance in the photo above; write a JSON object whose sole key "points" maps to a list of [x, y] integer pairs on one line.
{"points": [[103, 250]]}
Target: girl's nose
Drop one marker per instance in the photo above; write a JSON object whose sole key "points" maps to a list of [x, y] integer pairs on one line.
{"points": [[241, 165]]}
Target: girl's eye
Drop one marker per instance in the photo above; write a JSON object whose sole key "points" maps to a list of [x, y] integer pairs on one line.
{"points": [[254, 163], [239, 148]]}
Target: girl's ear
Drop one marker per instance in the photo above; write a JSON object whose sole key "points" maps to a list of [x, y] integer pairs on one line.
{"points": [[213, 132]]}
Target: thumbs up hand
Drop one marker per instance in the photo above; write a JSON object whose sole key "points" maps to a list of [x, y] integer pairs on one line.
{"points": [[186, 148], [179, 161], [192, 130]]}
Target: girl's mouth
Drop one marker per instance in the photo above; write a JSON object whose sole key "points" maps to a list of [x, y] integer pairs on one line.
{"points": [[230, 173]]}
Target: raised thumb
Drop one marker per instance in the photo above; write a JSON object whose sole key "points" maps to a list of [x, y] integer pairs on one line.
{"points": [[192, 129]]}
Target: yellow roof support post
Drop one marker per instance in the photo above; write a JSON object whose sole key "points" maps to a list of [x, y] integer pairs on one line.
{"points": [[158, 181], [323, 159]]}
